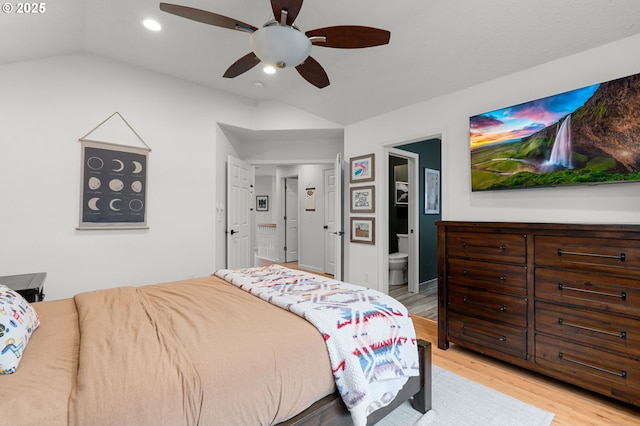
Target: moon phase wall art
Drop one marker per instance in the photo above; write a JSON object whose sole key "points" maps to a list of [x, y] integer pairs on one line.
{"points": [[114, 186]]}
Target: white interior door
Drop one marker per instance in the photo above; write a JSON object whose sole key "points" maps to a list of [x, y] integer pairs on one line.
{"points": [[291, 219], [338, 217], [239, 206], [330, 230]]}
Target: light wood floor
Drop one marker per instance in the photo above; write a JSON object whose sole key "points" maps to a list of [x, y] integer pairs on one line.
{"points": [[571, 405]]}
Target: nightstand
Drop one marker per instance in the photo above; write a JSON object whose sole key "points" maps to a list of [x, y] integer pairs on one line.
{"points": [[29, 286]]}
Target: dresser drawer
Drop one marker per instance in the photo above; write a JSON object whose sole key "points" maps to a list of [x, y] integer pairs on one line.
{"points": [[605, 372], [490, 306], [508, 248], [589, 254], [487, 335], [590, 328], [589, 290], [498, 277]]}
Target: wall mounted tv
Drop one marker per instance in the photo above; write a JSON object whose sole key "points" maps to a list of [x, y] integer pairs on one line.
{"points": [[586, 136]]}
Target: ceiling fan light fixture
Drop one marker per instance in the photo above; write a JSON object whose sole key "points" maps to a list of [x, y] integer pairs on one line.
{"points": [[269, 69], [280, 46]]}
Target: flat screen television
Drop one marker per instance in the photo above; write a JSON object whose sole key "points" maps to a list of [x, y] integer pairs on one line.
{"points": [[589, 135]]}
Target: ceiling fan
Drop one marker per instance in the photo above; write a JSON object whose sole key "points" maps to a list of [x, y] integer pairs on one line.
{"points": [[281, 44]]}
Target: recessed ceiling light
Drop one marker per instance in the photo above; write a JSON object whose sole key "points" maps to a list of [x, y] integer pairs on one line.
{"points": [[269, 69], [152, 25], [258, 84]]}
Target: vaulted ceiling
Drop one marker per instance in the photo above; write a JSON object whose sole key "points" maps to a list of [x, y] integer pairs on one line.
{"points": [[436, 46]]}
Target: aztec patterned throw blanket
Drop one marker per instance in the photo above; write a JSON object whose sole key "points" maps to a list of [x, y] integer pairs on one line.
{"points": [[369, 335]]}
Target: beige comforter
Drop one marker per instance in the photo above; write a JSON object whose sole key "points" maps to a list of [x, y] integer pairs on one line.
{"points": [[189, 352]]}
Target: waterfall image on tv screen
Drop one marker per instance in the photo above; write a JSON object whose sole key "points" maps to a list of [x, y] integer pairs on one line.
{"points": [[589, 135]]}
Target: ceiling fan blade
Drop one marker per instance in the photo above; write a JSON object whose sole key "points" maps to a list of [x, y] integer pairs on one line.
{"points": [[312, 71], [206, 17], [242, 65], [291, 6], [349, 36]]}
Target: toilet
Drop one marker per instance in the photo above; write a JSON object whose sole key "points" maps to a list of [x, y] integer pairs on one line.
{"points": [[398, 261]]}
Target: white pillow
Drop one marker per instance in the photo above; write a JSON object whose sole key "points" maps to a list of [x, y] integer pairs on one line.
{"points": [[18, 320]]}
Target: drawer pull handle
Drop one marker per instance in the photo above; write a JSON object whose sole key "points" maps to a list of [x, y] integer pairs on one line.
{"points": [[622, 257], [622, 334], [622, 295], [466, 300], [501, 339], [622, 373], [465, 245], [503, 278]]}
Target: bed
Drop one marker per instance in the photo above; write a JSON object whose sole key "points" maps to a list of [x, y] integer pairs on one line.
{"points": [[200, 351]]}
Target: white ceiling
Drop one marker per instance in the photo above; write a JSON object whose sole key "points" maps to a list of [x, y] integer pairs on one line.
{"points": [[436, 47]]}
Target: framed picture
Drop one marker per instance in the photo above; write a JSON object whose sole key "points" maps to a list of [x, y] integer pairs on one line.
{"points": [[363, 230], [362, 168], [402, 193], [113, 181], [431, 191], [363, 199], [262, 203], [310, 205]]}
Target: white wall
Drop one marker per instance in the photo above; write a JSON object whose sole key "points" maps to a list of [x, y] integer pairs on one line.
{"points": [[448, 116], [265, 185], [307, 151], [48, 104]]}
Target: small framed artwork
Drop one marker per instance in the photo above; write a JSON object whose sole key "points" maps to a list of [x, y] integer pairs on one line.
{"points": [[310, 205], [363, 199], [362, 168], [402, 193], [262, 203], [431, 191], [363, 230]]}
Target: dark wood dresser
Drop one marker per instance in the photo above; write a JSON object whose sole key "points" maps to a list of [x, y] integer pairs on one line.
{"points": [[559, 299]]}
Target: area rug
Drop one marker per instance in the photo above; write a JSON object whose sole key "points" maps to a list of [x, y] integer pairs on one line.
{"points": [[458, 401]]}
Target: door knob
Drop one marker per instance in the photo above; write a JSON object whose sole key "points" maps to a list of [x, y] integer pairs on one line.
{"points": [[233, 232]]}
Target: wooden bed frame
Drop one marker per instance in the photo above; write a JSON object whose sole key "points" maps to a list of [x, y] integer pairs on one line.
{"points": [[331, 411]]}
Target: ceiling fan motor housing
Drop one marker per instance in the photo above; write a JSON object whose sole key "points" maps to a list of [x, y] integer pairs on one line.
{"points": [[280, 45]]}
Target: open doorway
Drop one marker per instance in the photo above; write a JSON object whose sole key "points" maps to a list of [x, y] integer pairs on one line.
{"points": [[424, 302], [303, 221], [401, 250]]}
